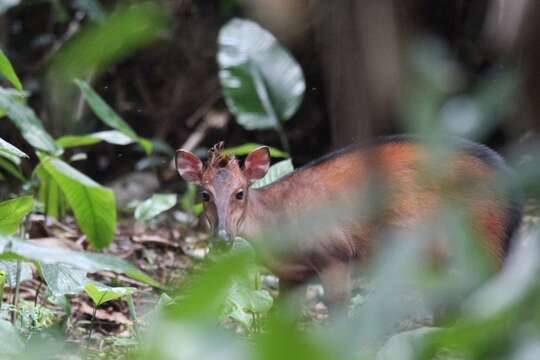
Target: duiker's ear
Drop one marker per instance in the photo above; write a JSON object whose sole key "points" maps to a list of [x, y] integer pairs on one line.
{"points": [[257, 163], [189, 166]]}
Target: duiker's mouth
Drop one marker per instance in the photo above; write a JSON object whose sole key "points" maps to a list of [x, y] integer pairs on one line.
{"points": [[222, 242]]}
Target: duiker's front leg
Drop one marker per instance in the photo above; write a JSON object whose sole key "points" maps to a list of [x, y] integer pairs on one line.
{"points": [[337, 283], [291, 295]]}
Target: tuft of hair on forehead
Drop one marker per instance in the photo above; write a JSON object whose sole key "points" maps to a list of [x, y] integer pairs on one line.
{"points": [[216, 157]]}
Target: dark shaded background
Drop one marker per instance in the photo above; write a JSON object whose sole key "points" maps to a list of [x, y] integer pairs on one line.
{"points": [[352, 53]]}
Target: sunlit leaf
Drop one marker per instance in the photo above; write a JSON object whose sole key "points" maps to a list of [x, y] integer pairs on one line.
{"points": [[275, 172], [6, 69], [249, 147], [262, 83], [12, 213], [9, 149], [109, 116], [27, 122], [154, 206], [101, 294], [94, 206], [12, 248], [112, 137]]}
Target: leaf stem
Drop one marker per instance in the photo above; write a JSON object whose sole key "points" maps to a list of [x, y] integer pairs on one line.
{"points": [[133, 316], [92, 322], [266, 101]]}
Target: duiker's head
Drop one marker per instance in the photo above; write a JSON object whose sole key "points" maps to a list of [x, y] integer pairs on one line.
{"points": [[224, 185]]}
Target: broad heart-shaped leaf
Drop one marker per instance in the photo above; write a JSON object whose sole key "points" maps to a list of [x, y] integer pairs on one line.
{"points": [[275, 172], [101, 294], [154, 206], [109, 116], [12, 248], [6, 69], [63, 279], [10, 270], [112, 137], [11, 343], [26, 121], [94, 206], [262, 83], [12, 212], [7, 148], [249, 147]]}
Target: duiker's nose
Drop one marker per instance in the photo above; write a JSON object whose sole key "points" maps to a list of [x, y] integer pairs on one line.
{"points": [[223, 234]]}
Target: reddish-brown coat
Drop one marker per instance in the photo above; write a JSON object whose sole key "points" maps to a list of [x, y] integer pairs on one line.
{"points": [[403, 174]]}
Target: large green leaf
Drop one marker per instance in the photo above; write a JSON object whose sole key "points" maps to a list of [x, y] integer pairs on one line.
{"points": [[249, 147], [109, 116], [7, 148], [275, 172], [63, 279], [101, 294], [26, 121], [12, 248], [94, 206], [112, 137], [262, 83], [12, 212], [154, 206], [6, 69]]}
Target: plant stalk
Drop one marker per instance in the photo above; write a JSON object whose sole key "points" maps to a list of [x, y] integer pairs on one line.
{"points": [[18, 275], [133, 316], [93, 321]]}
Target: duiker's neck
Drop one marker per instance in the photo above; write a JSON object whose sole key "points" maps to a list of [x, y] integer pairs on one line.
{"points": [[264, 206]]}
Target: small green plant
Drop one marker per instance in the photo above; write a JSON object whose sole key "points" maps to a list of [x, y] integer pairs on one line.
{"points": [[100, 294]]}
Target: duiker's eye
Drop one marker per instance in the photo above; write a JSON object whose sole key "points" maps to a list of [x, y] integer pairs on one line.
{"points": [[239, 195], [205, 196]]}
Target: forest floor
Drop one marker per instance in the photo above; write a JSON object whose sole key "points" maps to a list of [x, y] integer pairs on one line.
{"points": [[169, 248]]}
